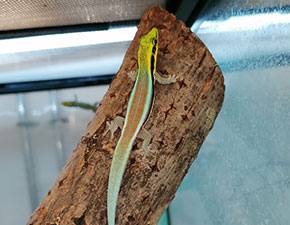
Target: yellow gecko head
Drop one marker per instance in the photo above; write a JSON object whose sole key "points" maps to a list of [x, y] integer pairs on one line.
{"points": [[148, 50]]}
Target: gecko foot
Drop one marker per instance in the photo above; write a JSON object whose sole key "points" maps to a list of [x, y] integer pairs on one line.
{"points": [[132, 75], [118, 122], [165, 80], [146, 136]]}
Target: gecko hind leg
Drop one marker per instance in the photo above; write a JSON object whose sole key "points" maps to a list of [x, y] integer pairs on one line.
{"points": [[118, 122], [146, 136], [164, 80]]}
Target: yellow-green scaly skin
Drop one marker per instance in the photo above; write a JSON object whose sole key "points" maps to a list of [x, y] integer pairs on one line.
{"points": [[137, 112]]}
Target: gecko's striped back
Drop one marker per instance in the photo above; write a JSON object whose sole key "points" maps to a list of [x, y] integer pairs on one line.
{"points": [[137, 111]]}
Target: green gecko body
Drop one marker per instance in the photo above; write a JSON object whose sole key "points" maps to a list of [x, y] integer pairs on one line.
{"points": [[139, 106], [82, 105]]}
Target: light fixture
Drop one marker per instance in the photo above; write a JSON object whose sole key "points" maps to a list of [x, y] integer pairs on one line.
{"points": [[245, 22], [55, 41]]}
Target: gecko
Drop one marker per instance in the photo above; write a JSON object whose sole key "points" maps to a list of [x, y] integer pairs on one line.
{"points": [[138, 110], [82, 105]]}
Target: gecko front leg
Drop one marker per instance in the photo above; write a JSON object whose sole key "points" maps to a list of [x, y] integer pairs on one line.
{"points": [[161, 80], [132, 75], [164, 80]]}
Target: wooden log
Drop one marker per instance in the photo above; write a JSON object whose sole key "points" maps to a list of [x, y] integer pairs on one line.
{"points": [[182, 115]]}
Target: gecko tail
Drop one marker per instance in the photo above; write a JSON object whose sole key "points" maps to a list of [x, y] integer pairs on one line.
{"points": [[117, 170]]}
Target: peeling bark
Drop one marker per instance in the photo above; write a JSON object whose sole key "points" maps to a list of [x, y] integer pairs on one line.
{"points": [[182, 115]]}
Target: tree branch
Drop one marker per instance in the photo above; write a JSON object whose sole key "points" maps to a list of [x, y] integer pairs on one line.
{"points": [[182, 115]]}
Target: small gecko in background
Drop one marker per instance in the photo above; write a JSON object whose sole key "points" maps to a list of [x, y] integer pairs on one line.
{"points": [[138, 110], [81, 105]]}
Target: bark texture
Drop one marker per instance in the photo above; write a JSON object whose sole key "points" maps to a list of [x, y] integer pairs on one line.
{"points": [[182, 115]]}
